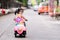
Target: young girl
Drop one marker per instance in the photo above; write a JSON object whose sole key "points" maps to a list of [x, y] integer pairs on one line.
{"points": [[20, 17]]}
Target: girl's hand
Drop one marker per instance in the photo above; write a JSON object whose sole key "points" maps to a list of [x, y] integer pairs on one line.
{"points": [[14, 19], [26, 20]]}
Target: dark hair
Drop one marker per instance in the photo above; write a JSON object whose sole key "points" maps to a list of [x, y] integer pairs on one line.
{"points": [[18, 10]]}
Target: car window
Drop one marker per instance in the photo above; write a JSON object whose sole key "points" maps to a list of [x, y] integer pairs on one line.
{"points": [[43, 4], [40, 5], [46, 4]]}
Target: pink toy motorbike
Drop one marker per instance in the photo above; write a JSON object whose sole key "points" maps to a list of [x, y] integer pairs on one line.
{"points": [[17, 20], [20, 30]]}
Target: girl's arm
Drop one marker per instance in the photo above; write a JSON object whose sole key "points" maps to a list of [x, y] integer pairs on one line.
{"points": [[24, 18]]}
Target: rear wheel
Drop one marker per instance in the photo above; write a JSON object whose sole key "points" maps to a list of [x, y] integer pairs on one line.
{"points": [[23, 34], [38, 13], [15, 34]]}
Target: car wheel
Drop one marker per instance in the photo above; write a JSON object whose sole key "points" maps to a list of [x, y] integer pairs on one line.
{"points": [[35, 10], [47, 13], [38, 13], [8, 12]]}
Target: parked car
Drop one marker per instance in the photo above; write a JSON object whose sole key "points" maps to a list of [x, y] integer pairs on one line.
{"points": [[13, 9], [0, 11], [35, 7], [29, 4], [4, 11], [43, 8]]}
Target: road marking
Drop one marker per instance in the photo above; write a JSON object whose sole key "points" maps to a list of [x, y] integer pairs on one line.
{"points": [[54, 22]]}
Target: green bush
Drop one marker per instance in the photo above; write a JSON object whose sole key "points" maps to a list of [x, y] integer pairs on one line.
{"points": [[57, 9], [24, 2]]}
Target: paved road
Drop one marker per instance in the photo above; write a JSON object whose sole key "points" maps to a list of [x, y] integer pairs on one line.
{"points": [[39, 27]]}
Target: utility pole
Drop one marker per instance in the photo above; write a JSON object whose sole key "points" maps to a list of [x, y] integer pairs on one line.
{"points": [[51, 7]]}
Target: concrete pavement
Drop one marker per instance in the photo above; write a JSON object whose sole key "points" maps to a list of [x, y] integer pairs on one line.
{"points": [[39, 27]]}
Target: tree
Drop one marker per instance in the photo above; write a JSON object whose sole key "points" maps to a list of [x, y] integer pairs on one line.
{"points": [[20, 0], [57, 3], [41, 0], [4, 3], [24, 2]]}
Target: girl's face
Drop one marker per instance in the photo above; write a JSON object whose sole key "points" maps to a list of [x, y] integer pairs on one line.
{"points": [[21, 11]]}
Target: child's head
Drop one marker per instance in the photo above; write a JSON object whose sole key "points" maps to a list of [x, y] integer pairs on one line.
{"points": [[20, 11]]}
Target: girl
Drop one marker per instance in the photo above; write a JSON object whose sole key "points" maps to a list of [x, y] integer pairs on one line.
{"points": [[19, 16]]}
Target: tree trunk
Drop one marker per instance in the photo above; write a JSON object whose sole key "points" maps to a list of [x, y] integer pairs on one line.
{"points": [[57, 3]]}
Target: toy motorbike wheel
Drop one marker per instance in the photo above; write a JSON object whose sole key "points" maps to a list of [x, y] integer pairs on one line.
{"points": [[23, 34], [15, 34]]}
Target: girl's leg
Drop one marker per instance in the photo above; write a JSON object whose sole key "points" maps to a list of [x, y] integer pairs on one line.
{"points": [[24, 24]]}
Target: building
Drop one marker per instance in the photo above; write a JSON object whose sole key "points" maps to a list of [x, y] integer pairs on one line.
{"points": [[9, 3]]}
